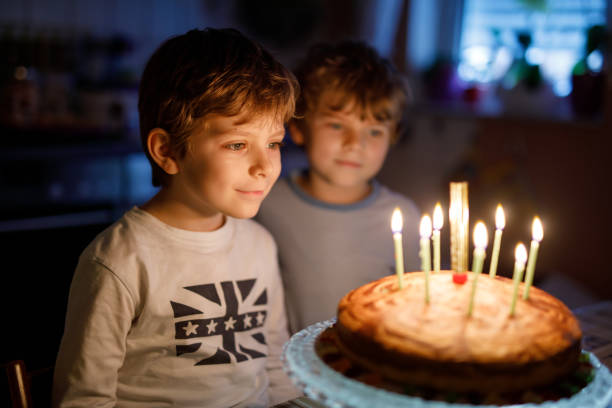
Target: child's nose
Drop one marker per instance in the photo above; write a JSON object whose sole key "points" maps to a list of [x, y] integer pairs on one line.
{"points": [[261, 165], [352, 139]]}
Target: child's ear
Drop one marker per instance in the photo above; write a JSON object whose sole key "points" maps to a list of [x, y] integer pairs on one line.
{"points": [[158, 144], [296, 133]]}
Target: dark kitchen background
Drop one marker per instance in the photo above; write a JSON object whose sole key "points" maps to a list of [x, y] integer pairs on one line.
{"points": [[512, 96]]}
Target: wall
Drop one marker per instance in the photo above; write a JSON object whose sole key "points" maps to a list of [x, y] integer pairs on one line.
{"points": [[146, 22]]}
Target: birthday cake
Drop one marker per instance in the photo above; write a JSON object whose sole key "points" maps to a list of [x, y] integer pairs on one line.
{"points": [[397, 334]]}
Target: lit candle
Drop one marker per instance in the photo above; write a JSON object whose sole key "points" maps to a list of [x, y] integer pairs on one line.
{"points": [[438, 221], [397, 224], [520, 256], [425, 231], [500, 223], [537, 233], [480, 243]]}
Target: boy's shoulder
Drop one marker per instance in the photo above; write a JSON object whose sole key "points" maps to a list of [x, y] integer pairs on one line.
{"points": [[115, 237], [286, 195], [137, 234], [282, 187], [137, 227], [397, 199], [279, 196]]}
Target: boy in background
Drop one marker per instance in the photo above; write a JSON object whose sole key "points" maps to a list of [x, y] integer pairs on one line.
{"points": [[180, 303], [332, 221]]}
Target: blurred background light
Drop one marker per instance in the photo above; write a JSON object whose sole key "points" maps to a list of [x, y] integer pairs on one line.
{"points": [[595, 61], [550, 34]]}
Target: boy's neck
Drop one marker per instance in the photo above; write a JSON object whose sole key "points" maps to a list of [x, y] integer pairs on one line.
{"points": [[179, 215], [329, 193]]}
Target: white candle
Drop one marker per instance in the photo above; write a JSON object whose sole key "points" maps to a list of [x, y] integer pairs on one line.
{"points": [[537, 233], [458, 220], [438, 221], [397, 224], [520, 256], [425, 232], [480, 243], [500, 223], [465, 223]]}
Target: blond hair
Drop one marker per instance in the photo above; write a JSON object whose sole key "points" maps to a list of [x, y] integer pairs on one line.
{"points": [[352, 72]]}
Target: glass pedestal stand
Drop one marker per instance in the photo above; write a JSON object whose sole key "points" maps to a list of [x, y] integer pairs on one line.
{"points": [[322, 384]]}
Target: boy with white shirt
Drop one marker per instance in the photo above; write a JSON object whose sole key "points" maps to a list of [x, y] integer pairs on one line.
{"points": [[179, 303]]}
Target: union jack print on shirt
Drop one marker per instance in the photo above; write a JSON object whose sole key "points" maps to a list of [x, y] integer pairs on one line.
{"points": [[231, 322]]}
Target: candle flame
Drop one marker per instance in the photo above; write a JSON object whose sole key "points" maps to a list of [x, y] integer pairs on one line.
{"points": [[520, 253], [480, 235], [500, 217], [537, 231], [425, 227], [397, 222], [438, 218]]}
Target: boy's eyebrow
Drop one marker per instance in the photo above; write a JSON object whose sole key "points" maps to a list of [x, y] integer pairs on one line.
{"points": [[218, 133], [336, 114], [281, 132], [331, 113]]}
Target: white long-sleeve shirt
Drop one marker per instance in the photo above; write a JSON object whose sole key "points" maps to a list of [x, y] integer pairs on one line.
{"points": [[164, 317]]}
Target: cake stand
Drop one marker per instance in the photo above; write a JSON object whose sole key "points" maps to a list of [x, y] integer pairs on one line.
{"points": [[321, 383]]}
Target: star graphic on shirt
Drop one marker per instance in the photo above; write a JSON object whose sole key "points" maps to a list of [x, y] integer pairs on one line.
{"points": [[239, 319], [212, 326], [190, 328], [260, 318], [229, 323]]}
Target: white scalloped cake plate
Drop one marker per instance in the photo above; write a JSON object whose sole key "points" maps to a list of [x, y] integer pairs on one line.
{"points": [[321, 383]]}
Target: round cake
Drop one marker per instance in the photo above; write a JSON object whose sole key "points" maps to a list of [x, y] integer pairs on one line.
{"points": [[398, 335]]}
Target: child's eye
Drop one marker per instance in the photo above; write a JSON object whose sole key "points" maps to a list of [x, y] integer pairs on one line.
{"points": [[235, 146], [335, 125], [376, 132], [275, 145]]}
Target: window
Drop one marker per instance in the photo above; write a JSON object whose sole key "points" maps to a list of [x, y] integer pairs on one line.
{"points": [[502, 39]]}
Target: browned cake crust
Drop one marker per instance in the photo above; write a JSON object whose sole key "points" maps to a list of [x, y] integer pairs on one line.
{"points": [[398, 335]]}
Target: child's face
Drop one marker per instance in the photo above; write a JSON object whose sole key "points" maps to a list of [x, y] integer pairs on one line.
{"points": [[344, 148], [230, 165]]}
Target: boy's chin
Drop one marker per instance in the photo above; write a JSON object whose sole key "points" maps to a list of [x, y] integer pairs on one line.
{"points": [[243, 213]]}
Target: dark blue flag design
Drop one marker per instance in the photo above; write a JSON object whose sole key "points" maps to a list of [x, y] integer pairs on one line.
{"points": [[227, 325]]}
